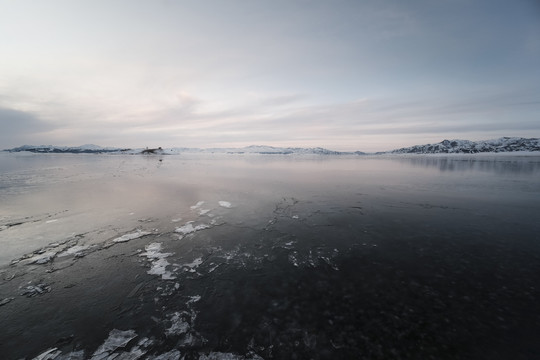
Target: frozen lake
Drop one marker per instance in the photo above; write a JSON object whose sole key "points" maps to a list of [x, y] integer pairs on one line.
{"points": [[222, 256]]}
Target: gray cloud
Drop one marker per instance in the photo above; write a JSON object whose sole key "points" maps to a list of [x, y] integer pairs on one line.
{"points": [[17, 126]]}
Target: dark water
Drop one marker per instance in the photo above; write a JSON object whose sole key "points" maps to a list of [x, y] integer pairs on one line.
{"points": [[273, 257]]}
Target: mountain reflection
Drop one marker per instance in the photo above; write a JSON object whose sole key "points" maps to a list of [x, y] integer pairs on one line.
{"points": [[495, 165]]}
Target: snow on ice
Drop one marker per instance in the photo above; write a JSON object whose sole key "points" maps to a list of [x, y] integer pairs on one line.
{"points": [[135, 235], [158, 261], [225, 204]]}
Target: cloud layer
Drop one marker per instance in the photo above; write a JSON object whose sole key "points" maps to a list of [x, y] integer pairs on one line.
{"points": [[347, 75]]}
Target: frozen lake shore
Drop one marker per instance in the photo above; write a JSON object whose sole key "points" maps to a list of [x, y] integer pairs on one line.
{"points": [[248, 257]]}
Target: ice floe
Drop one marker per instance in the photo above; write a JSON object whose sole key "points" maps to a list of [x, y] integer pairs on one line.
{"points": [[131, 236], [225, 204], [158, 260]]}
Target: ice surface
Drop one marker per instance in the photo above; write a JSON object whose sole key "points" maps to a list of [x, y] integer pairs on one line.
{"points": [[134, 354], [159, 261], [188, 228], [117, 339], [221, 356], [75, 355], [225, 204], [171, 355], [135, 235], [198, 205], [6, 300]]}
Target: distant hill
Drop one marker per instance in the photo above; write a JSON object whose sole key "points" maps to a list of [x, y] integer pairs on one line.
{"points": [[254, 149], [83, 149], [504, 144]]}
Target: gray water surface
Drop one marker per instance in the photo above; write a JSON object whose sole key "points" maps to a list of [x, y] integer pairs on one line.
{"points": [[248, 256]]}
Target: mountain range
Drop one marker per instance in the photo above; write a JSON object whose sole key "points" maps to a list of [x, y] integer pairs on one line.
{"points": [[504, 144]]}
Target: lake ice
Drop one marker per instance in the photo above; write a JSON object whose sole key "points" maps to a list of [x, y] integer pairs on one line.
{"points": [[269, 256]]}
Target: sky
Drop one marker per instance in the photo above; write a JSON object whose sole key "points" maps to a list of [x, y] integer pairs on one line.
{"points": [[343, 75]]}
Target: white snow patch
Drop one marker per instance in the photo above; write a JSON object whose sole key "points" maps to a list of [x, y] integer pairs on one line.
{"points": [[188, 228], [51, 221], [225, 204], [203, 211], [176, 220], [74, 250], [193, 265], [41, 258], [135, 235], [159, 261], [179, 325]]}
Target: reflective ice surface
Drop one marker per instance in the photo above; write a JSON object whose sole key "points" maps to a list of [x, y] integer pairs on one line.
{"points": [[249, 256]]}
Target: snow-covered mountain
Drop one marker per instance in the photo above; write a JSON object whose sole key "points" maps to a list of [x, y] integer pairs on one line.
{"points": [[504, 144], [260, 149], [88, 148], [253, 149]]}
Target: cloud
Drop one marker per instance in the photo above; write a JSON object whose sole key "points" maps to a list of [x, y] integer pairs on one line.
{"points": [[19, 126]]}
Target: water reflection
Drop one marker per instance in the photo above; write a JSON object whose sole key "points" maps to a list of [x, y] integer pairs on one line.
{"points": [[495, 165]]}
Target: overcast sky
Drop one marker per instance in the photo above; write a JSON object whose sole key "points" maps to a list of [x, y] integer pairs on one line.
{"points": [[344, 75]]}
